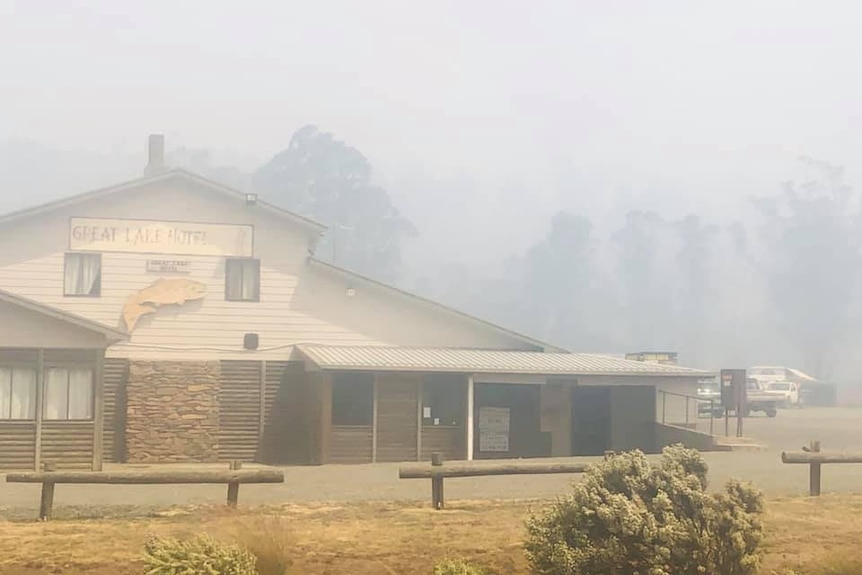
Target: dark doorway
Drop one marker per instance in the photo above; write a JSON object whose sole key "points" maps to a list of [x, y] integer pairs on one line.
{"points": [[506, 422], [288, 425], [591, 420]]}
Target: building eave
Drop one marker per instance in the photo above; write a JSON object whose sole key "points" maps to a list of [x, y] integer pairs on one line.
{"points": [[316, 228], [111, 335]]}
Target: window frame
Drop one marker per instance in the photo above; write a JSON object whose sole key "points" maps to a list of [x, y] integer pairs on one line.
{"points": [[68, 368], [98, 285], [444, 392], [35, 399], [342, 380], [242, 263]]}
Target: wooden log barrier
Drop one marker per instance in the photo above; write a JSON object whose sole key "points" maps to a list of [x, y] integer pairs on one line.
{"points": [[437, 472], [814, 458], [233, 478]]}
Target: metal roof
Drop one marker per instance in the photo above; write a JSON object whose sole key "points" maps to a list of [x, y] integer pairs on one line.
{"points": [[483, 361]]}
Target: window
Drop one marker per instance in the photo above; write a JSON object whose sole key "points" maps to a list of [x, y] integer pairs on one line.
{"points": [[68, 393], [17, 393], [83, 275], [444, 399], [242, 280], [352, 398]]}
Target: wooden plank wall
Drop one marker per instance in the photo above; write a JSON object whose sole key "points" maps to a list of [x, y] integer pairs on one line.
{"points": [[285, 438], [68, 444], [397, 410], [116, 373], [239, 410], [448, 440], [17, 445], [350, 444]]}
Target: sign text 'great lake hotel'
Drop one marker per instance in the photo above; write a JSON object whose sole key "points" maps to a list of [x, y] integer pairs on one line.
{"points": [[157, 237]]}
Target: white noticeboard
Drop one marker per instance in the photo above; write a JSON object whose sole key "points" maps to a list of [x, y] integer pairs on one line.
{"points": [[494, 429]]}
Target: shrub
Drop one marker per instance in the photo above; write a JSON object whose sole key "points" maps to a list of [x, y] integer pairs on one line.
{"points": [[269, 540], [201, 555], [457, 567], [628, 517]]}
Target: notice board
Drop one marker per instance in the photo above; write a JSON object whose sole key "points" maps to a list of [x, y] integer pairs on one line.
{"points": [[494, 429]]}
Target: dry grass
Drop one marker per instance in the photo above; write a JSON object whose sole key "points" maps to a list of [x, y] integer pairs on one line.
{"points": [[810, 537]]}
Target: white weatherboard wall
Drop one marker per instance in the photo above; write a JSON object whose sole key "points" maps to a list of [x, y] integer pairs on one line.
{"points": [[299, 302]]}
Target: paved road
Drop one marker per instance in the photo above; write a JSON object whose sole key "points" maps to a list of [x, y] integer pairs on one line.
{"points": [[838, 429]]}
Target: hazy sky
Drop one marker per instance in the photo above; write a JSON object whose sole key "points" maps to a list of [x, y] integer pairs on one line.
{"points": [[702, 102]]}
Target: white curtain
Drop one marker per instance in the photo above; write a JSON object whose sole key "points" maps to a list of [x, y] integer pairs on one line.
{"points": [[17, 393], [234, 279], [250, 279], [5, 392], [56, 393], [243, 278], [82, 271], [80, 394], [23, 394]]}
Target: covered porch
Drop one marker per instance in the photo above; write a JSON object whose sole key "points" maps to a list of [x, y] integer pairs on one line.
{"points": [[363, 405], [51, 386]]}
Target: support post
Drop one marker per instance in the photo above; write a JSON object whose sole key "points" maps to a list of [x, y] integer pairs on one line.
{"points": [[469, 419], [664, 408], [814, 472], [711, 416], [98, 409], [262, 413], [419, 419], [40, 401], [687, 406], [374, 421], [436, 481], [46, 504], [233, 488]]}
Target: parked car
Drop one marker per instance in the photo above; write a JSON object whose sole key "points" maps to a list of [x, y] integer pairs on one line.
{"points": [[710, 395], [786, 391], [758, 399]]}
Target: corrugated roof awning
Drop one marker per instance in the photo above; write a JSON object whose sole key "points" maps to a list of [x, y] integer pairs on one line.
{"points": [[484, 361]]}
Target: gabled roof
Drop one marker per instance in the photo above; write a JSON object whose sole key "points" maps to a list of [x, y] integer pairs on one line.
{"points": [[111, 334], [176, 173], [484, 361], [431, 304]]}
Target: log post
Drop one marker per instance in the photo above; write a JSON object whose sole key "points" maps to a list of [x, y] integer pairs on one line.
{"points": [[233, 487], [46, 505], [436, 481], [814, 472]]}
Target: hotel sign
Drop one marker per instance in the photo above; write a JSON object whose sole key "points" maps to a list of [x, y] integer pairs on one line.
{"points": [[169, 266], [160, 237]]}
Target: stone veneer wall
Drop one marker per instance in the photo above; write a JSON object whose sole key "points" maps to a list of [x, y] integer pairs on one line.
{"points": [[172, 411]]}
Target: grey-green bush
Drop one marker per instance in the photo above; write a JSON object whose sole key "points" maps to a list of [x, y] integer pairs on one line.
{"points": [[457, 567], [627, 517], [202, 555]]}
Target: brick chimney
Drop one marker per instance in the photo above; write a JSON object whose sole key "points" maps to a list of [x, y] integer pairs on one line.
{"points": [[156, 158]]}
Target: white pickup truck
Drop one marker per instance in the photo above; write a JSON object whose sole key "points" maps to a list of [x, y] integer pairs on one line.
{"points": [[787, 392]]}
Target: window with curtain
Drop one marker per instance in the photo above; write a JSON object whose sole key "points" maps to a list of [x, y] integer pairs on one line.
{"points": [[83, 275], [17, 393], [242, 279], [68, 393]]}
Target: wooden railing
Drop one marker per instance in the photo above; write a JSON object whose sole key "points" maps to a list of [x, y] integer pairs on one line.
{"points": [[437, 472], [814, 458], [232, 477]]}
